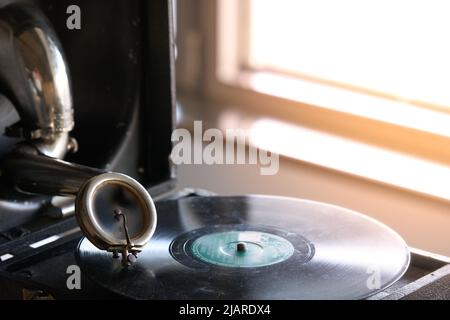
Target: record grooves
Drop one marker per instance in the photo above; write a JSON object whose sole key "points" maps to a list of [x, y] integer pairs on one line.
{"points": [[255, 247]]}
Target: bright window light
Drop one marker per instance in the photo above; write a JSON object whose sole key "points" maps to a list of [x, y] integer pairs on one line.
{"points": [[397, 48]]}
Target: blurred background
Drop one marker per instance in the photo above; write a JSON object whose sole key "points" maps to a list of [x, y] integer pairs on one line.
{"points": [[354, 95]]}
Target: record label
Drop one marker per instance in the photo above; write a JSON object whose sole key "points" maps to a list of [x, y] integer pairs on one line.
{"points": [[242, 249]]}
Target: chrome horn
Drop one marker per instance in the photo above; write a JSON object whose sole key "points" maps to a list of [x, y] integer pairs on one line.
{"points": [[34, 73], [114, 211]]}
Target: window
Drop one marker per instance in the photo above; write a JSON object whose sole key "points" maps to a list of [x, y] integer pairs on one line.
{"points": [[395, 49], [357, 86]]}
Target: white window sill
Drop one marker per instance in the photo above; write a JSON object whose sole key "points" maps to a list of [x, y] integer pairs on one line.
{"points": [[398, 112], [352, 157], [318, 148]]}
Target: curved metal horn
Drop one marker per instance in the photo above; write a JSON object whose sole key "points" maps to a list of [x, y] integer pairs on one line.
{"points": [[34, 73]]}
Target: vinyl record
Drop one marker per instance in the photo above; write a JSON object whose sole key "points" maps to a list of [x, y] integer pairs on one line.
{"points": [[255, 247]]}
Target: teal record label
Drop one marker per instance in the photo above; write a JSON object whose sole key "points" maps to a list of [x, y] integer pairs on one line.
{"points": [[242, 249]]}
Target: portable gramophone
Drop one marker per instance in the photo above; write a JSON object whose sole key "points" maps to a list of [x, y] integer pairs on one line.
{"points": [[87, 115]]}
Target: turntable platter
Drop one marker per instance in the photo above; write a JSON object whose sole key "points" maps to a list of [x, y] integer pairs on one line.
{"points": [[255, 247]]}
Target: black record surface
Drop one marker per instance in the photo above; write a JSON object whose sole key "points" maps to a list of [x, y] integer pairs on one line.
{"points": [[337, 253]]}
